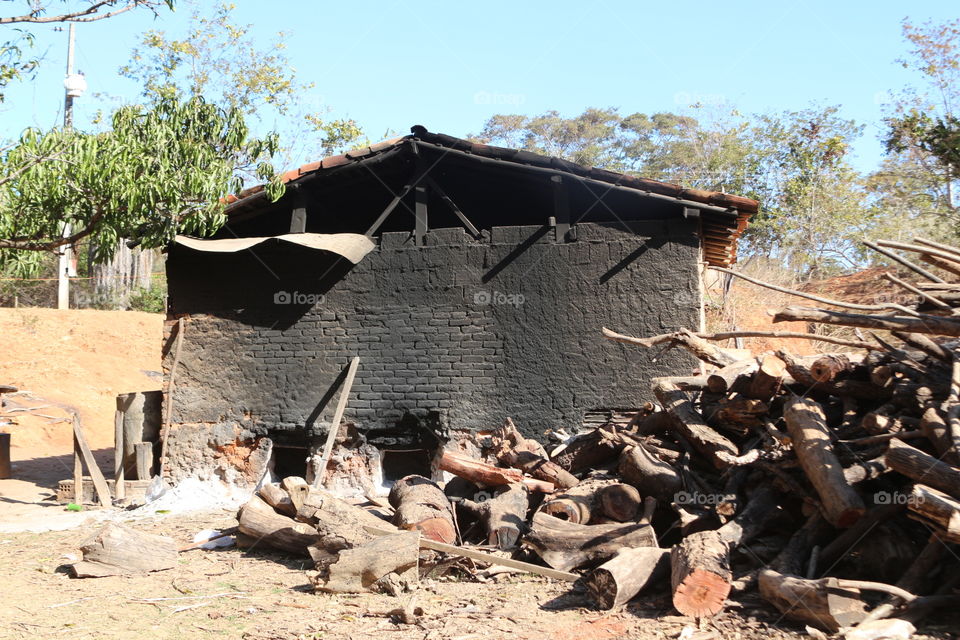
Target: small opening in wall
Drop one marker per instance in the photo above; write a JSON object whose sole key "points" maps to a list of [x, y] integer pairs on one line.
{"points": [[289, 461], [398, 463]]}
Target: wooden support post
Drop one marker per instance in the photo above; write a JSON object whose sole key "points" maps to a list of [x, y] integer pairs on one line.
{"points": [[422, 196], [168, 412], [335, 423], [144, 460], [5, 471], [82, 449], [453, 207], [118, 458], [561, 207], [298, 217]]}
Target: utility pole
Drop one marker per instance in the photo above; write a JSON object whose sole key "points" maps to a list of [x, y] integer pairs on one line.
{"points": [[73, 87]]}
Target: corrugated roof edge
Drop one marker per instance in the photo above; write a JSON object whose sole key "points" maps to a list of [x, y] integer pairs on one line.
{"points": [[718, 252]]}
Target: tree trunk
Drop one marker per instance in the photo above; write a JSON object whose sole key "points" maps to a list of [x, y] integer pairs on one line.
{"points": [[924, 468], [565, 546], [258, 520], [619, 579], [808, 429], [650, 475], [364, 567], [421, 505]]}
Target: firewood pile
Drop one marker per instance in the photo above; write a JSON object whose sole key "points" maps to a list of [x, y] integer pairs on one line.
{"points": [[828, 485]]}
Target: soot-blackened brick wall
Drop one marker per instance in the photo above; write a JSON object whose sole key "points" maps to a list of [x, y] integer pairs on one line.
{"points": [[479, 330]]}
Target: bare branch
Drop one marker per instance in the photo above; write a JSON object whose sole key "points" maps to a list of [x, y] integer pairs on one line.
{"points": [[90, 14]]}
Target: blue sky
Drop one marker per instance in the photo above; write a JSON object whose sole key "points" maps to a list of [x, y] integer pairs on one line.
{"points": [[450, 66]]}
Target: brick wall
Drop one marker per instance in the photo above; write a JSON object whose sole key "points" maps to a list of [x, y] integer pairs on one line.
{"points": [[479, 330]]}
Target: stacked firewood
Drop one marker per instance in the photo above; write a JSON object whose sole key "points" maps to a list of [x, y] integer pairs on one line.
{"points": [[829, 485]]}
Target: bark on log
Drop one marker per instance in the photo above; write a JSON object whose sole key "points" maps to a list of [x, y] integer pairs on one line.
{"points": [[503, 516], [488, 475], [119, 550], [258, 520], [364, 567], [620, 502], [806, 423], [650, 475], [589, 451], [827, 367], [297, 488], [819, 603], [928, 324], [925, 344], [419, 504], [538, 467], [274, 495], [692, 426], [732, 378], [768, 378], [565, 546], [700, 574], [699, 347], [935, 429], [338, 524], [924, 468], [937, 510], [619, 579]]}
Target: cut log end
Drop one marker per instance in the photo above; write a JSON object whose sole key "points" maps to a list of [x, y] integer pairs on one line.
{"points": [[701, 594]]}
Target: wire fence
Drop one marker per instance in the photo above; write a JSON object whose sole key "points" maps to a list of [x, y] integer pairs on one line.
{"points": [[86, 292]]}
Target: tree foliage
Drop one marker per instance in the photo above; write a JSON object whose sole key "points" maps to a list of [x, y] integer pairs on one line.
{"points": [[159, 170]]}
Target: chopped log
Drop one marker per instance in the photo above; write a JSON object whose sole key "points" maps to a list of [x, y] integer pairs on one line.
{"points": [[862, 471], [619, 579], [859, 389], [488, 558], [297, 488], [590, 450], [827, 367], [508, 438], [538, 467], [339, 525], [819, 603], [739, 414], [419, 504], [733, 377], [620, 502], [649, 474], [806, 423], [577, 504], [488, 475], [692, 426], [564, 545], [923, 323], [700, 574], [117, 549], [937, 510], [258, 520], [504, 516], [768, 379], [274, 495], [922, 467], [925, 344], [935, 429], [363, 567]]}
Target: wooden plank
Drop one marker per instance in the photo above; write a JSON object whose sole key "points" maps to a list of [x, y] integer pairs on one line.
{"points": [[144, 452], [421, 197], [561, 206], [77, 472], [168, 413], [467, 552], [118, 457], [99, 482], [335, 423]]}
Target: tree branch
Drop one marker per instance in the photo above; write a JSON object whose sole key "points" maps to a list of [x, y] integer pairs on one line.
{"points": [[90, 14]]}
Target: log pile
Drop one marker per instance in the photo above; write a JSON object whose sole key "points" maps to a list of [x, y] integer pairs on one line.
{"points": [[828, 485]]}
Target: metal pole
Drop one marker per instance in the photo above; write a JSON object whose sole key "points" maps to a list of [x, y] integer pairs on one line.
{"points": [[66, 253]]}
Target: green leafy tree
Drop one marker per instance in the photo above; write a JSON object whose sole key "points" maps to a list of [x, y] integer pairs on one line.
{"points": [[219, 59], [159, 170]]}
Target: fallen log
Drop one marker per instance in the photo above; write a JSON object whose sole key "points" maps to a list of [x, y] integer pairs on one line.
{"points": [[620, 502], [619, 579], [650, 475], [590, 450], [700, 575], [806, 423], [577, 504], [419, 504], [503, 516], [733, 377], [936, 430], [823, 603], [488, 475], [923, 467], [937, 510], [364, 567], [259, 521], [338, 524], [120, 550], [564, 545]]}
